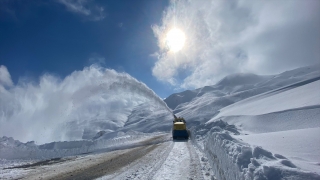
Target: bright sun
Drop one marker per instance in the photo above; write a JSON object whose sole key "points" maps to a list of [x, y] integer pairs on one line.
{"points": [[175, 39]]}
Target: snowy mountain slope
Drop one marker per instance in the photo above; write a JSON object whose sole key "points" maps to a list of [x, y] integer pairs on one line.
{"points": [[242, 82], [175, 99], [284, 107], [291, 113], [207, 101], [200, 105], [302, 95], [230, 84], [293, 76], [307, 117], [248, 127], [241, 79], [203, 108]]}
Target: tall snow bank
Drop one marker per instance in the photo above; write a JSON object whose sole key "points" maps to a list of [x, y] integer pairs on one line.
{"points": [[15, 150], [233, 159]]}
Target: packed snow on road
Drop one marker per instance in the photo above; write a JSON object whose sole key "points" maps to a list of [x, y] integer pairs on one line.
{"points": [[246, 126]]}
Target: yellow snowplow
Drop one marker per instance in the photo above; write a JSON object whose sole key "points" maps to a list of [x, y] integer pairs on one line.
{"points": [[179, 129]]}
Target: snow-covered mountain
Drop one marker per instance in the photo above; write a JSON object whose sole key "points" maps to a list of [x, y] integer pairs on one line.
{"points": [[249, 126], [207, 101], [276, 120], [285, 106], [267, 126], [200, 105]]}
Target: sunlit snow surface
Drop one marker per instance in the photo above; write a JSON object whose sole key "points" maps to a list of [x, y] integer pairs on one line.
{"points": [[248, 126], [265, 127], [284, 121], [301, 146], [299, 96]]}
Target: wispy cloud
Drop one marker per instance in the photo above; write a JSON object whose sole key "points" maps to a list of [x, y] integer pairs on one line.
{"points": [[224, 37], [5, 78], [85, 8]]}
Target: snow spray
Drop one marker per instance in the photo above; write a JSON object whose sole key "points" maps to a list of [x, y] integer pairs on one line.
{"points": [[81, 104], [125, 82]]}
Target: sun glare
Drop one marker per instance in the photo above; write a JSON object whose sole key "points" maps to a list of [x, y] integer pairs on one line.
{"points": [[175, 39]]}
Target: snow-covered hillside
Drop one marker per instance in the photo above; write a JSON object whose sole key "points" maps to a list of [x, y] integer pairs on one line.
{"points": [[258, 127], [283, 121], [246, 126], [207, 101]]}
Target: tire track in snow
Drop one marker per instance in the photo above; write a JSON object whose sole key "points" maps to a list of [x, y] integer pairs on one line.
{"points": [[145, 167], [170, 160], [195, 170], [182, 163]]}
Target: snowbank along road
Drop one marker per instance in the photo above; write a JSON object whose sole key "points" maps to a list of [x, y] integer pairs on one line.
{"points": [[155, 158]]}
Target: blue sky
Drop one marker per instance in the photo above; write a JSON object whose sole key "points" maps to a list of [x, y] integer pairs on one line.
{"points": [[222, 37], [38, 37], [47, 49]]}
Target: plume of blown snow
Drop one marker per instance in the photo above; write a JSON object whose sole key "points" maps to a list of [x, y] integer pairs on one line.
{"points": [[57, 109]]}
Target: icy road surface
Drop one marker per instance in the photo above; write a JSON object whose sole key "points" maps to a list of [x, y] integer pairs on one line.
{"points": [[155, 158]]}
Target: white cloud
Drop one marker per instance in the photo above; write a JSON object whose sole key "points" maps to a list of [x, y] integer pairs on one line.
{"points": [[56, 109], [5, 78], [225, 37], [85, 8]]}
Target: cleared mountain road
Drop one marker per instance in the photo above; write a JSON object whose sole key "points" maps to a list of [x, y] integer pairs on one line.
{"points": [[155, 158]]}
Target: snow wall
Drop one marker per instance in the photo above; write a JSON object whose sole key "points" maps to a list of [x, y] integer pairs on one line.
{"points": [[15, 150], [232, 159]]}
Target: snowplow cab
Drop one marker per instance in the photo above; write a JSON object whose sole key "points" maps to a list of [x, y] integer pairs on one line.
{"points": [[179, 129]]}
